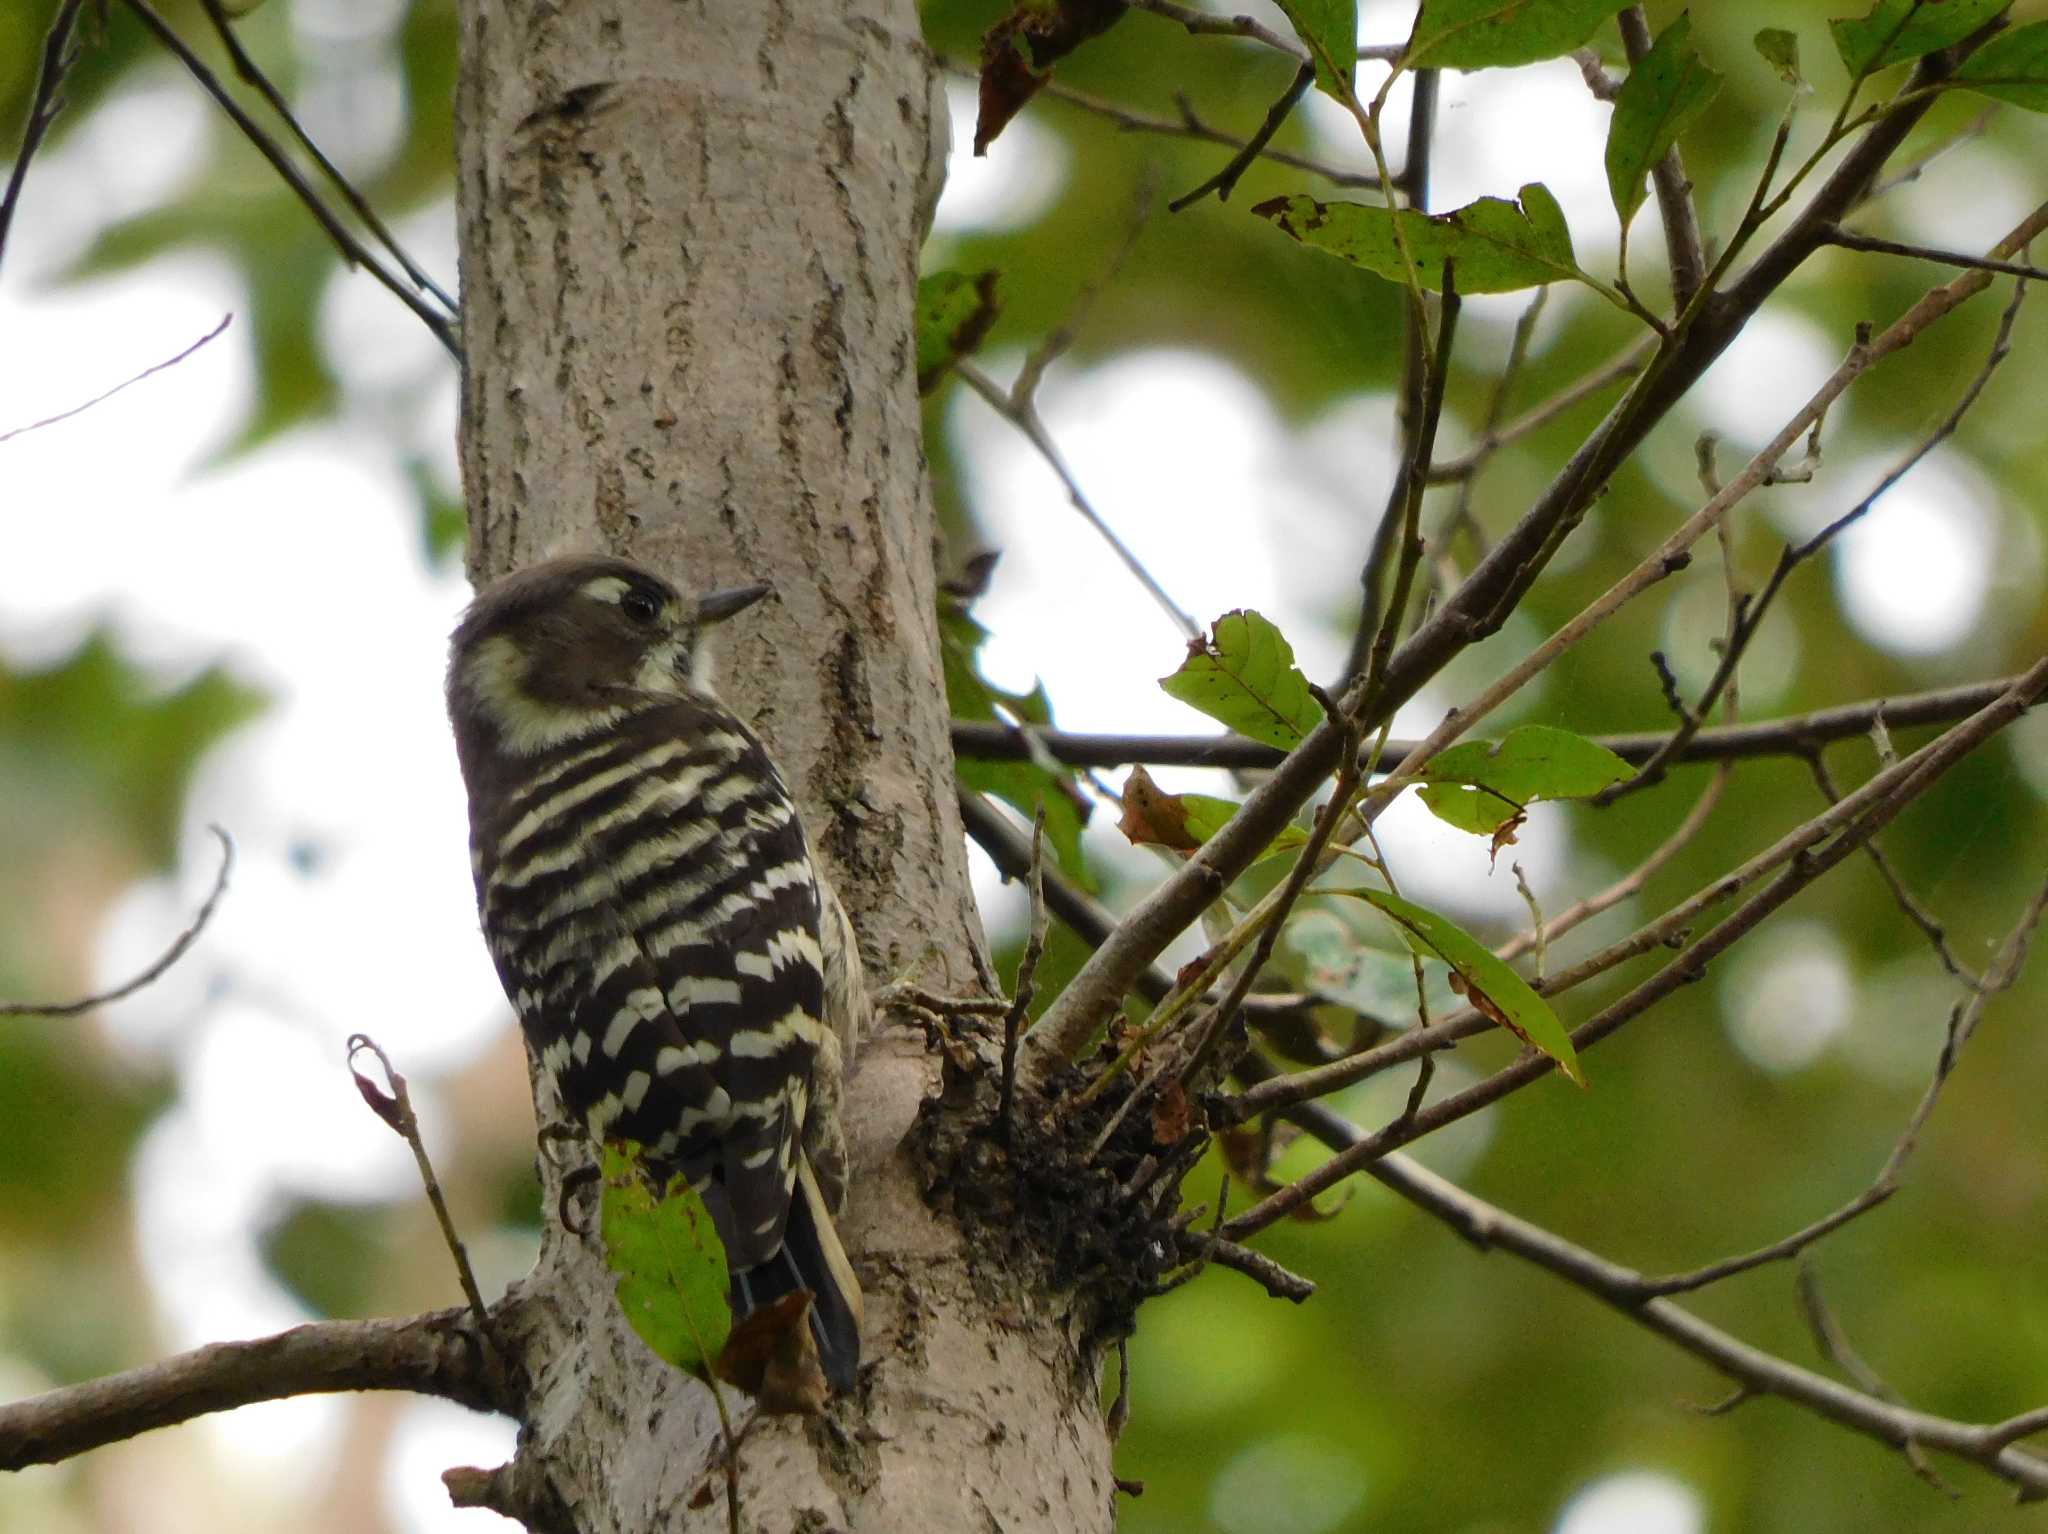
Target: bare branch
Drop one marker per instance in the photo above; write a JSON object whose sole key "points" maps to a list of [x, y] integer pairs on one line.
{"points": [[353, 251], [60, 52], [1492, 440], [1850, 240], [394, 1107], [1280, 1282], [245, 66], [1190, 125], [157, 970], [1748, 614], [1630, 882], [1916, 913], [1755, 1372], [102, 398], [1224, 182], [2005, 969], [1796, 735], [1881, 800], [437, 1354]]}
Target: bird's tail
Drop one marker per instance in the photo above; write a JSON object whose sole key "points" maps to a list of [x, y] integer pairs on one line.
{"points": [[810, 1257]]}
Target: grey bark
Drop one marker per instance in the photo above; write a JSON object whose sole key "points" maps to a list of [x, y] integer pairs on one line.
{"points": [[689, 243]]}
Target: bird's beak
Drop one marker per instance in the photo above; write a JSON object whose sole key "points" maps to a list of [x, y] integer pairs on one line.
{"points": [[720, 605]]}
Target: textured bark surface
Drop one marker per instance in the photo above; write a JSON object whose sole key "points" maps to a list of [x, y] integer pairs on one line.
{"points": [[689, 243]]}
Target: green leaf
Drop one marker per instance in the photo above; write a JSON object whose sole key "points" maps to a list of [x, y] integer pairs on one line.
{"points": [[673, 1284], [1482, 34], [1024, 786], [1481, 786], [954, 313], [1498, 246], [1244, 676], [1490, 985], [1669, 87], [1330, 28], [1895, 31], [1780, 50], [2012, 67]]}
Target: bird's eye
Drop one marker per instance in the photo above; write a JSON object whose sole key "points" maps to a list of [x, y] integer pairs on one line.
{"points": [[641, 606]]}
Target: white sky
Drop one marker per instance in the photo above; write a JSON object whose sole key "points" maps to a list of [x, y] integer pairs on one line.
{"points": [[298, 565]]}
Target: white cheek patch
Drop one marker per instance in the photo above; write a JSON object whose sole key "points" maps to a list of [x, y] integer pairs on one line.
{"points": [[496, 677]]}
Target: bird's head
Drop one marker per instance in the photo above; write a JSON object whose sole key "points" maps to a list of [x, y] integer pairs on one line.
{"points": [[564, 648]]}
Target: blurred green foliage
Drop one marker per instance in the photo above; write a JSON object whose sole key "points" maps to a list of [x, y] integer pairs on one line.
{"points": [[1426, 1388]]}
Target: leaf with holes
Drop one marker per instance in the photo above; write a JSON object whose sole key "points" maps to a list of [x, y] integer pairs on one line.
{"points": [[1496, 246], [1243, 675], [1780, 50], [670, 1264], [1669, 87], [1490, 985]]}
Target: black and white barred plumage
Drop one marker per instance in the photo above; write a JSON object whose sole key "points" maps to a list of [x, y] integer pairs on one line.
{"points": [[682, 971]]}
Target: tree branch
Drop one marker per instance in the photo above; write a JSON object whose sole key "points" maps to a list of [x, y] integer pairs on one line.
{"points": [[438, 1354], [1876, 804], [1755, 1372], [353, 251], [1796, 735], [1673, 187], [157, 970], [60, 52]]}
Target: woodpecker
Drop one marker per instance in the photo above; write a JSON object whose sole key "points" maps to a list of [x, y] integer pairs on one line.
{"points": [[681, 968]]}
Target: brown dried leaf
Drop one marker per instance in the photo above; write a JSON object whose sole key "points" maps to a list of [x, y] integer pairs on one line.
{"points": [[1154, 817], [1504, 835], [774, 1358], [1018, 52], [1172, 1115]]}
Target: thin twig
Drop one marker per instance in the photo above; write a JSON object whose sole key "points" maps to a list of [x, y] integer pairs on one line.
{"points": [[1469, 463], [1225, 180], [60, 52], [1757, 1373], [1749, 614], [1627, 885], [1901, 786], [2004, 971], [1280, 1282], [1191, 125], [353, 251], [246, 67], [1914, 911], [1833, 1342], [1205, 24], [100, 399], [393, 1104], [1795, 735], [1419, 408], [156, 971], [1461, 518], [1850, 240]]}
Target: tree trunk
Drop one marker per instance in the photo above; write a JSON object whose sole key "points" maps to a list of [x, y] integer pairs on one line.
{"points": [[689, 252]]}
